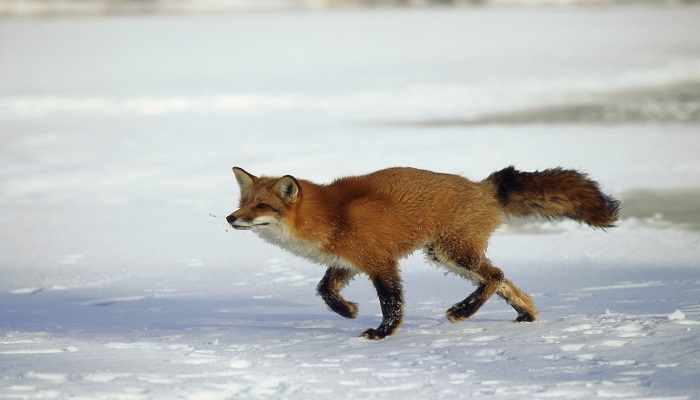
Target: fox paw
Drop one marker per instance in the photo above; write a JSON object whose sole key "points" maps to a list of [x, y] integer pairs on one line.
{"points": [[525, 317], [373, 334], [459, 313]]}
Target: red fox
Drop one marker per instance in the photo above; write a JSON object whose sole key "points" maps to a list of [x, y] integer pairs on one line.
{"points": [[365, 224]]}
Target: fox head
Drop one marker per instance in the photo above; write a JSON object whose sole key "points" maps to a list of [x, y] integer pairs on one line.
{"points": [[264, 201]]}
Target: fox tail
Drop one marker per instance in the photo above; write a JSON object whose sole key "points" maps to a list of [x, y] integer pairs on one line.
{"points": [[554, 193]]}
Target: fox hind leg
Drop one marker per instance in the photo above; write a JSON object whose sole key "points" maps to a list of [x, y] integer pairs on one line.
{"points": [[493, 281], [519, 300], [467, 261], [329, 289], [490, 279]]}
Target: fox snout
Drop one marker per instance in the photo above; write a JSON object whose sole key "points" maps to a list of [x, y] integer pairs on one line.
{"points": [[231, 219], [237, 223], [245, 222]]}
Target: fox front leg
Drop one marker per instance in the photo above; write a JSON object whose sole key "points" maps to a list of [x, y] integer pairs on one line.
{"points": [[329, 289], [391, 301]]}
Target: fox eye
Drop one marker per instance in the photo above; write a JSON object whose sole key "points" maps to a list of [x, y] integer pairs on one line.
{"points": [[263, 206]]}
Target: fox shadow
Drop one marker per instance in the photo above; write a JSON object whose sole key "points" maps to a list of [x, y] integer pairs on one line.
{"points": [[56, 312]]}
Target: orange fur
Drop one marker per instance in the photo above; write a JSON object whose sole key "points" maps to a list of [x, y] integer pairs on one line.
{"points": [[365, 224]]}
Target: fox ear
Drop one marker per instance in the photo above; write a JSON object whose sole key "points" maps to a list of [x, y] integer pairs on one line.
{"points": [[287, 188], [245, 180]]}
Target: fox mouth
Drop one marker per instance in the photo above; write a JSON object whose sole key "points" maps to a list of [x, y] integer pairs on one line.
{"points": [[248, 226]]}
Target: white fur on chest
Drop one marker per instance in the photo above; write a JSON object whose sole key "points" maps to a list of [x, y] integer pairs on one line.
{"points": [[280, 237]]}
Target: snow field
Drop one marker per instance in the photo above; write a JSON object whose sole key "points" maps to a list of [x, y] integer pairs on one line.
{"points": [[117, 136], [600, 334]]}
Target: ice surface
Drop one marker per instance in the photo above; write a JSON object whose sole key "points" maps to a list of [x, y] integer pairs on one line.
{"points": [[117, 136]]}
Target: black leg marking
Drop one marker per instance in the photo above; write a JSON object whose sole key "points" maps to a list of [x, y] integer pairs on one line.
{"points": [[525, 317], [329, 289], [467, 307], [391, 301], [492, 279]]}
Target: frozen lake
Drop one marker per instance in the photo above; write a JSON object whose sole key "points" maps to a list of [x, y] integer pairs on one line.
{"points": [[117, 136]]}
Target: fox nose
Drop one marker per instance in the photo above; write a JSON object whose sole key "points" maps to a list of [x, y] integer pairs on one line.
{"points": [[231, 219]]}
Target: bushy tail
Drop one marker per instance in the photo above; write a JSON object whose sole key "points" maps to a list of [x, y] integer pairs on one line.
{"points": [[554, 193]]}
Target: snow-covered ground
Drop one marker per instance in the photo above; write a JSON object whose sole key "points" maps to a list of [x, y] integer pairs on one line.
{"points": [[120, 278]]}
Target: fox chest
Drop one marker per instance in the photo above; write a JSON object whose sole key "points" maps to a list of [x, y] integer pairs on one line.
{"points": [[304, 248]]}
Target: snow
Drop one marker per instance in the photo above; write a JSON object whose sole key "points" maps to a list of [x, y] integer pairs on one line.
{"points": [[121, 280]]}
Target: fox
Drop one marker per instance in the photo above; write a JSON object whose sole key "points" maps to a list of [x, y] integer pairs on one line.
{"points": [[366, 224]]}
